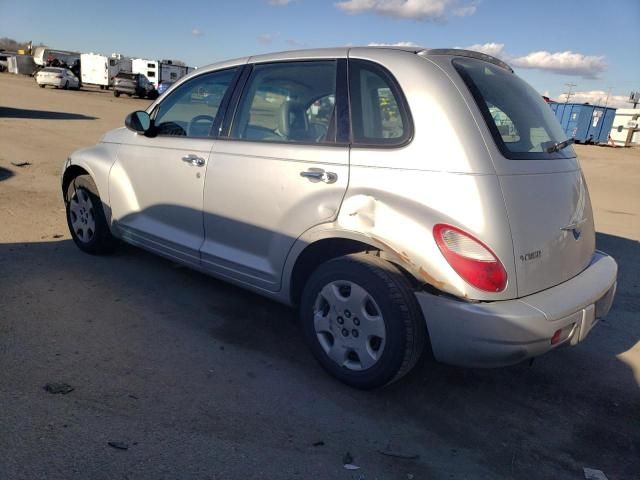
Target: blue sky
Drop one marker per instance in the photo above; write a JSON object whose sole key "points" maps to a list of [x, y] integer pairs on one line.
{"points": [[593, 44]]}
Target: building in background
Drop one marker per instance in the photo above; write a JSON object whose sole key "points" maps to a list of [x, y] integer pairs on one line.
{"points": [[21, 64]]}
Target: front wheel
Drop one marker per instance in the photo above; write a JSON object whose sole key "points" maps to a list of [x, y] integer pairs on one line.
{"points": [[116, 93], [41, 86], [86, 219], [362, 321], [66, 85]]}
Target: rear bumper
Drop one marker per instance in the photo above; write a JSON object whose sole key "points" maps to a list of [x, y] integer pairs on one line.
{"points": [[127, 90], [494, 334], [52, 82]]}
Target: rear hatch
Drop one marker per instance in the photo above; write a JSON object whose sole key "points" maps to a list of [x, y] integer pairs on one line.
{"points": [[125, 82], [546, 198]]}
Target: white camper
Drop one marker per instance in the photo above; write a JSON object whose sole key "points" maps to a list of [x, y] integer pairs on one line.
{"points": [[625, 130], [157, 71], [99, 69], [148, 68]]}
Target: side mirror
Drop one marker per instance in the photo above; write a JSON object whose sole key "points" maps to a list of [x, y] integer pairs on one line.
{"points": [[139, 122]]}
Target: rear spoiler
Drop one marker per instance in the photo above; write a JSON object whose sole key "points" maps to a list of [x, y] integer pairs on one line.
{"points": [[457, 52]]}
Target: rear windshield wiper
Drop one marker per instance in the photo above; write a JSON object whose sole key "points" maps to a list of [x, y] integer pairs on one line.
{"points": [[556, 147]]}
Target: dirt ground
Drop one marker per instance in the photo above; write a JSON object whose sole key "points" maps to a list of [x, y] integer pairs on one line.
{"points": [[203, 380]]}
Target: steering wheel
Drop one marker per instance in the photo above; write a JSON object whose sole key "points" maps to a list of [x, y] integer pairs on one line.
{"points": [[197, 126]]}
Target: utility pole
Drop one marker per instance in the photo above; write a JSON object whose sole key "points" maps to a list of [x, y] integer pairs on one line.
{"points": [[606, 102], [568, 94]]}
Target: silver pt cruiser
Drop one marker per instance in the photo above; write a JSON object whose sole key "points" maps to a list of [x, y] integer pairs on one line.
{"points": [[404, 200]]}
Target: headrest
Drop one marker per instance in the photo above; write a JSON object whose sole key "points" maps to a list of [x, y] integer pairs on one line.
{"points": [[293, 121]]}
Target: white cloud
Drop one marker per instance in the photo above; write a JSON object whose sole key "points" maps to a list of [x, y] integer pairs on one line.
{"points": [[267, 38], [493, 49], [566, 63], [412, 9], [280, 3], [465, 10], [397, 44], [196, 32], [596, 97]]}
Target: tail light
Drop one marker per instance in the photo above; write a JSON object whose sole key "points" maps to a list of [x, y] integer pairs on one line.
{"points": [[470, 258]]}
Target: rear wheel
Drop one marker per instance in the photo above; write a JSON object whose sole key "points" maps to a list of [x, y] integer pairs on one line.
{"points": [[86, 219], [362, 321], [41, 86]]}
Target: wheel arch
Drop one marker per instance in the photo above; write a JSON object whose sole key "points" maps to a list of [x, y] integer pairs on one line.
{"points": [[69, 174], [307, 255]]}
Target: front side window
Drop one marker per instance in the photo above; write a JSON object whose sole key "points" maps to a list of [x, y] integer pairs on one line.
{"points": [[288, 102], [377, 112], [521, 122], [191, 109]]}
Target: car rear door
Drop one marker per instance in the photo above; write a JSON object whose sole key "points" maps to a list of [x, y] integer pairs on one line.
{"points": [[281, 169]]}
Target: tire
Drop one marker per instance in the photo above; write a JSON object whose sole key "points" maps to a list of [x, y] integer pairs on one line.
{"points": [[41, 86], [391, 348], [66, 85], [86, 219], [116, 93]]}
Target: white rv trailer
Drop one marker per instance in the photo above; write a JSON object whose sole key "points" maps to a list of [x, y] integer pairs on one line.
{"points": [[99, 69], [157, 71], [625, 130], [42, 56]]}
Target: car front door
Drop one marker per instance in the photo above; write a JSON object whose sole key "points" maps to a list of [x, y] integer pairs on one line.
{"points": [[281, 169], [156, 184]]}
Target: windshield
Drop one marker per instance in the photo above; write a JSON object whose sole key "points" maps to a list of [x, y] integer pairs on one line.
{"points": [[521, 122]]}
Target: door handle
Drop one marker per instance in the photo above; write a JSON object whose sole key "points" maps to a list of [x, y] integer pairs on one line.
{"points": [[194, 160], [320, 175]]}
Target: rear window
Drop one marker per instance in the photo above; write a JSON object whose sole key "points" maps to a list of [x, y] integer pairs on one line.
{"points": [[522, 124]]}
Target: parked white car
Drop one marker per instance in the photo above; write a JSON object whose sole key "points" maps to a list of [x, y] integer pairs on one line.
{"points": [[57, 77], [404, 200]]}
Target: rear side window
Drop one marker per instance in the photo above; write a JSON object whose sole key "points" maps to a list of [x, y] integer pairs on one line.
{"points": [[521, 123], [288, 102], [378, 110]]}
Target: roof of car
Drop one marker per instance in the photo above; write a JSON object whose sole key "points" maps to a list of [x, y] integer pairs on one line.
{"points": [[344, 52]]}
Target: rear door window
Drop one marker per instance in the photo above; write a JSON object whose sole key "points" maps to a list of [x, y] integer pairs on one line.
{"points": [[521, 122], [291, 102]]}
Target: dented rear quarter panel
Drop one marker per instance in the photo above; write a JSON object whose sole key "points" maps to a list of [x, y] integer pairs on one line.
{"points": [[444, 175]]}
